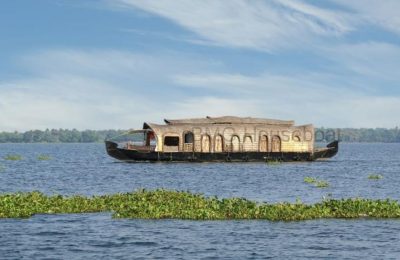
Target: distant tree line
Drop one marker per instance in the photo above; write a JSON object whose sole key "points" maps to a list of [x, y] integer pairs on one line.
{"points": [[58, 136], [361, 135], [92, 136]]}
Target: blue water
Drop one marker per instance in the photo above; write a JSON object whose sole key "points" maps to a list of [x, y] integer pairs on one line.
{"points": [[86, 169]]}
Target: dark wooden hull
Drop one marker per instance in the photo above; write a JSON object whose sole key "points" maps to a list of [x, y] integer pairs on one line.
{"points": [[151, 156]]}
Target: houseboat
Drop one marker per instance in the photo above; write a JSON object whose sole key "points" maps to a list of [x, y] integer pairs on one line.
{"points": [[220, 139]]}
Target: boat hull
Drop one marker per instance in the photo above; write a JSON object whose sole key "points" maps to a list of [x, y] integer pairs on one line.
{"points": [[152, 156]]}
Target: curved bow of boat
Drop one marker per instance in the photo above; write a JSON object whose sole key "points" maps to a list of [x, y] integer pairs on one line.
{"points": [[329, 151], [113, 150]]}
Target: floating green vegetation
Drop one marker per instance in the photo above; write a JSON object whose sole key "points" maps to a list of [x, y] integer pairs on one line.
{"points": [[13, 157], [310, 180], [161, 204], [375, 176], [322, 184], [43, 157], [317, 183]]}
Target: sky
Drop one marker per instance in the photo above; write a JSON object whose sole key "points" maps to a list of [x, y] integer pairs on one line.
{"points": [[113, 64]]}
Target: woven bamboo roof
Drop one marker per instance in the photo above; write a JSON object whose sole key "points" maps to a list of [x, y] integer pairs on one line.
{"points": [[229, 120]]}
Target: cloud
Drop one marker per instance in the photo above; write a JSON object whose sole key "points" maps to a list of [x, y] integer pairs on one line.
{"points": [[308, 98], [95, 89], [101, 89], [326, 77], [262, 25], [272, 25], [371, 58], [65, 102], [381, 13]]}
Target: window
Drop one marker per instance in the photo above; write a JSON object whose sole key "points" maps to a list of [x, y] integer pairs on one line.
{"points": [[219, 144], [205, 144], [171, 141], [150, 139], [235, 143], [264, 143], [189, 138], [276, 144], [247, 143]]}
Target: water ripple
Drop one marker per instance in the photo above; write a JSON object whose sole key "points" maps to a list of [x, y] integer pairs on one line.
{"points": [[86, 169]]}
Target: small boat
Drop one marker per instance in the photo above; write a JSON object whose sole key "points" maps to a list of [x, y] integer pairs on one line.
{"points": [[220, 139]]}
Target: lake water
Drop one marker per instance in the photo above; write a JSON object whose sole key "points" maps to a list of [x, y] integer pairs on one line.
{"points": [[86, 169]]}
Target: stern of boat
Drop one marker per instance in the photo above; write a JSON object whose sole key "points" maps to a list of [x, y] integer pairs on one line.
{"points": [[327, 152]]}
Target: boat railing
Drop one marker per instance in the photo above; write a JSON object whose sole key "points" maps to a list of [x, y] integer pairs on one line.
{"points": [[139, 147], [188, 147]]}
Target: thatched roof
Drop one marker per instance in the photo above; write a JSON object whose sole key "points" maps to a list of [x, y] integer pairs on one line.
{"points": [[229, 120]]}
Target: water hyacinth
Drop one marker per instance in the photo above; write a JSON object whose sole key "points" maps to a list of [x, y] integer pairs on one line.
{"points": [[43, 157], [322, 184], [13, 157], [375, 176], [309, 180], [161, 204], [317, 183]]}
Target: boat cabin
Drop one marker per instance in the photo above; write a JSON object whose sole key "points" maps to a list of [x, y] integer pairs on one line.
{"points": [[223, 134]]}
